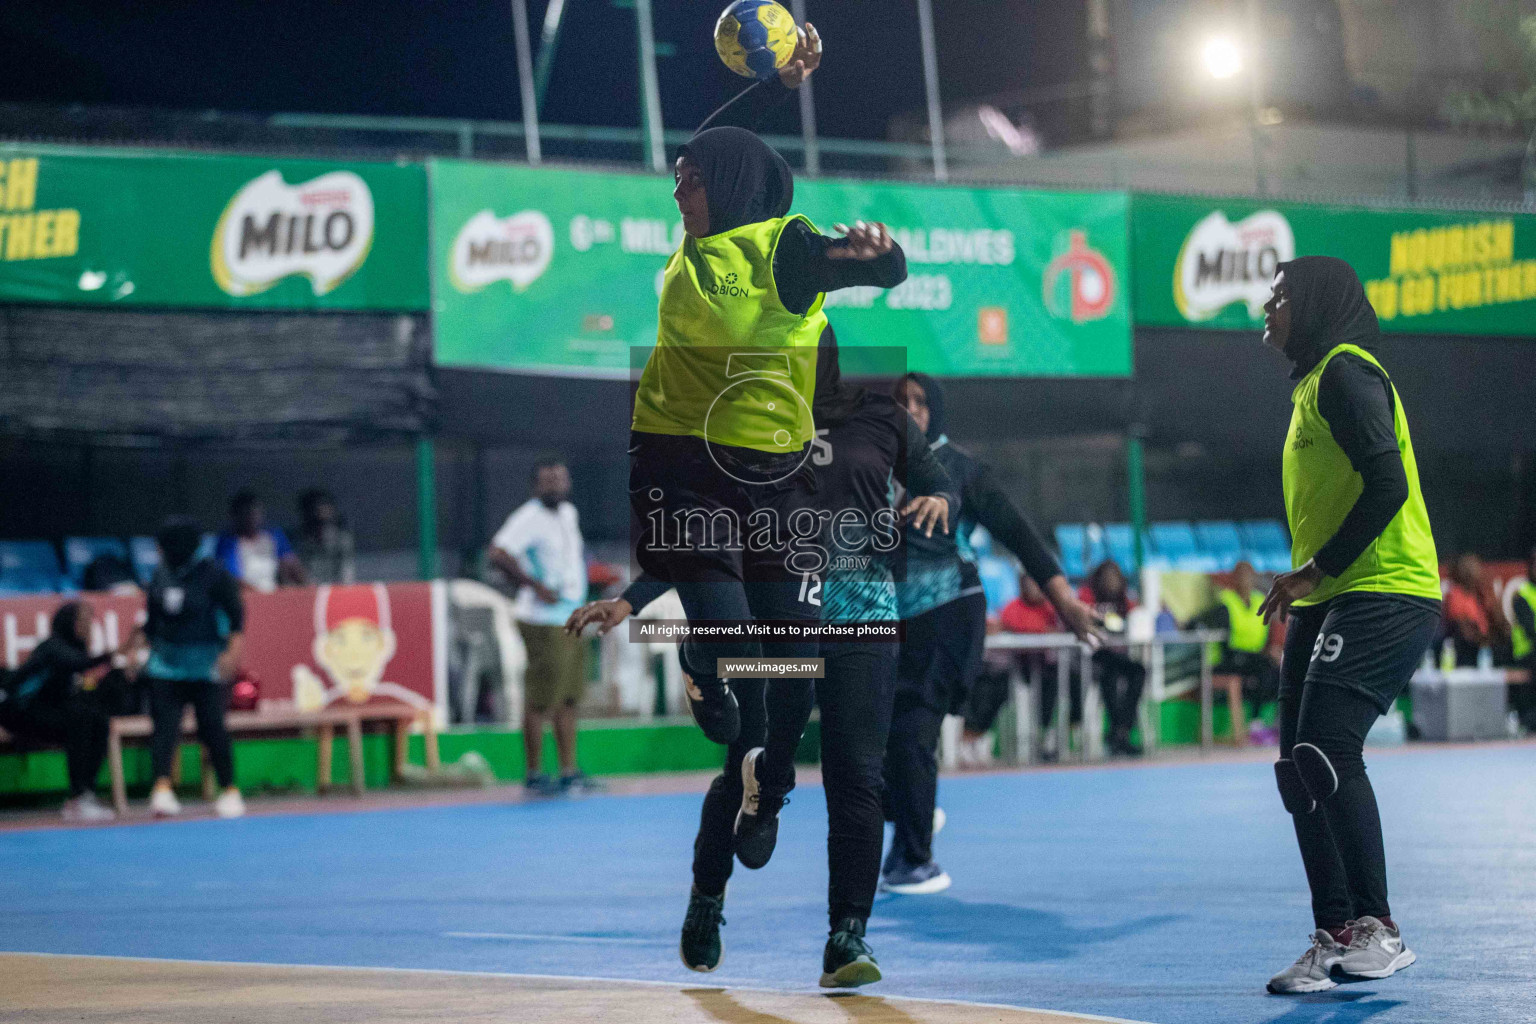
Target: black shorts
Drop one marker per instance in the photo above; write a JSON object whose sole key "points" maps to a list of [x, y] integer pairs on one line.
{"points": [[1367, 643]]}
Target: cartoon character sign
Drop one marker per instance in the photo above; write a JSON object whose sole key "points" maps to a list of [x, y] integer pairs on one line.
{"points": [[353, 645]]}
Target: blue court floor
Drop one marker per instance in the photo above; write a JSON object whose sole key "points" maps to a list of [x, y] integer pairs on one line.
{"points": [[1165, 894]]}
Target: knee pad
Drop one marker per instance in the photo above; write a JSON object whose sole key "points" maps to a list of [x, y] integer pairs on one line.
{"points": [[1293, 792], [1317, 772]]}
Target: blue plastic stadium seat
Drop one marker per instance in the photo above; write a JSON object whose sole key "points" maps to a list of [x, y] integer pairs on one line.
{"points": [[1117, 540], [29, 567], [145, 556], [1266, 544], [1081, 549], [80, 552], [1219, 539], [1177, 547], [1000, 580]]}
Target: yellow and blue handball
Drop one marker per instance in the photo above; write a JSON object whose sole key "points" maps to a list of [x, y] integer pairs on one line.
{"points": [[756, 38]]}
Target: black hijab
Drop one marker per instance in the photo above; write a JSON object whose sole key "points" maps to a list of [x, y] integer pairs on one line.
{"points": [[835, 401], [179, 539], [935, 394], [745, 180], [62, 628], [1328, 309]]}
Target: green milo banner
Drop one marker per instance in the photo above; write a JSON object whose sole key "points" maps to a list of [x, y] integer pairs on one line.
{"points": [[558, 271], [1210, 262], [138, 228]]}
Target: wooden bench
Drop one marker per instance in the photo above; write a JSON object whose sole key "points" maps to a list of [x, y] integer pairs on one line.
{"points": [[352, 719]]}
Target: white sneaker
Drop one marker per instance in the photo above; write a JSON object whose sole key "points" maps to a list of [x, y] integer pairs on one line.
{"points": [[86, 808], [230, 804], [1310, 972], [163, 803], [1375, 951], [939, 820]]}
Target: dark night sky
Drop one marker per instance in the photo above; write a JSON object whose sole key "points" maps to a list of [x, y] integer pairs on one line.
{"points": [[456, 60]]}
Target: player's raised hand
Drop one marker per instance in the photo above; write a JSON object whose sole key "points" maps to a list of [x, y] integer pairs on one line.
{"points": [[927, 512], [806, 59], [606, 614], [863, 242]]}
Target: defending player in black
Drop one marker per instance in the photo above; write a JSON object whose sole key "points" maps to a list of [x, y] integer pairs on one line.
{"points": [[1364, 604], [942, 604]]}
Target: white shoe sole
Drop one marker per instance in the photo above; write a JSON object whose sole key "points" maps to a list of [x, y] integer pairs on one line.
{"points": [[1404, 959], [1302, 986], [749, 787], [938, 883], [862, 971]]}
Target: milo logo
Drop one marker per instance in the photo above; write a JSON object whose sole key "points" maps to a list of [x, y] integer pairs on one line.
{"points": [[516, 249], [321, 229], [1222, 263]]}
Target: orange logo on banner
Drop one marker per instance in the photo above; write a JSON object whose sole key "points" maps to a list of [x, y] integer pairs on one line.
{"points": [[992, 325]]}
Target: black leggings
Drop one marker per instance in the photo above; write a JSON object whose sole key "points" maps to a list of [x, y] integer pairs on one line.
{"points": [[940, 655], [77, 723], [855, 700], [1344, 664], [167, 699]]}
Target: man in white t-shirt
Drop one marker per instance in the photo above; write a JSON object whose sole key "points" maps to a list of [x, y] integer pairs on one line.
{"points": [[539, 549]]}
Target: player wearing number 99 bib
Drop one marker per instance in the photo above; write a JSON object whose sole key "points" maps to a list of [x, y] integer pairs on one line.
{"points": [[1364, 604]]}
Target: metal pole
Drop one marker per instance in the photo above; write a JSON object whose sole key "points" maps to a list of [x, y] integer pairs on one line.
{"points": [[553, 15], [525, 80], [650, 90], [808, 110], [931, 78], [1207, 709], [1136, 474], [1256, 97], [1064, 704], [426, 507]]}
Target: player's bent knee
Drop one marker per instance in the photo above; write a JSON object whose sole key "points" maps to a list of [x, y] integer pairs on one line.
{"points": [[1317, 772], [1293, 792]]}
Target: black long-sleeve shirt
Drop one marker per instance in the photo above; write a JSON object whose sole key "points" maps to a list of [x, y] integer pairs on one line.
{"points": [[47, 677], [984, 502], [801, 267], [1356, 399]]}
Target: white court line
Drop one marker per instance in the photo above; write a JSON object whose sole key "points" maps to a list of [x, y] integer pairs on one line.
{"points": [[530, 937], [1068, 1015]]}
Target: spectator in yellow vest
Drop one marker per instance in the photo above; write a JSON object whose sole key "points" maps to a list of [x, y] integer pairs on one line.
{"points": [[1246, 651], [1523, 639]]}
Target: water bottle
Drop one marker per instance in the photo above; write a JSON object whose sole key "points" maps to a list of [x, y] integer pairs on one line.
{"points": [[1447, 656], [1485, 659]]}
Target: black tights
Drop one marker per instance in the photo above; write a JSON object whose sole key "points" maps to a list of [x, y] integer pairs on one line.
{"points": [[167, 699], [855, 700], [1341, 843], [77, 723]]}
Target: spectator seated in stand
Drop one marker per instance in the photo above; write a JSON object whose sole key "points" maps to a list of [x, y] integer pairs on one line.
{"points": [[325, 544], [1473, 617], [1246, 650], [1030, 612], [48, 700], [1121, 677], [257, 555]]}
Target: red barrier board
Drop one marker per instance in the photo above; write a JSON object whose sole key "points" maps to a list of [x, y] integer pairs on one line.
{"points": [[309, 647]]}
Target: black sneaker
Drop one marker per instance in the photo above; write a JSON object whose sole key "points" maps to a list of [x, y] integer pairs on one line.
{"points": [[700, 947], [848, 962], [757, 823], [540, 784], [580, 782], [714, 708], [1120, 743], [914, 879]]}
